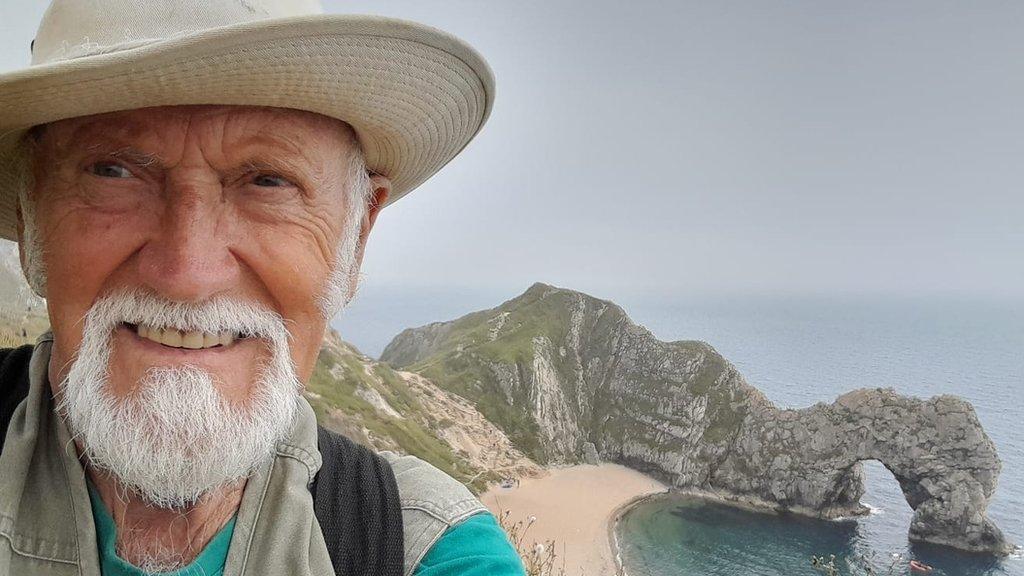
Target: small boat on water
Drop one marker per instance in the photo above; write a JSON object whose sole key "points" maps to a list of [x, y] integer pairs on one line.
{"points": [[919, 567]]}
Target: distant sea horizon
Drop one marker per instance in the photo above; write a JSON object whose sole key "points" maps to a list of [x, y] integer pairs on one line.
{"points": [[800, 350]]}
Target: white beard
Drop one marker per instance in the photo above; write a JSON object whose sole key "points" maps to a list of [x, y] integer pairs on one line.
{"points": [[175, 437]]}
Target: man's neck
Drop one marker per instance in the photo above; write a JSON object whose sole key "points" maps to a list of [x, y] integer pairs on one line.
{"points": [[160, 538]]}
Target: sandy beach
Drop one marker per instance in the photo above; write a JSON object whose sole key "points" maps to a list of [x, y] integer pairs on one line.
{"points": [[574, 506]]}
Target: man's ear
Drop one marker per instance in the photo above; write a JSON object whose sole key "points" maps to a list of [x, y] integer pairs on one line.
{"points": [[22, 256], [381, 186]]}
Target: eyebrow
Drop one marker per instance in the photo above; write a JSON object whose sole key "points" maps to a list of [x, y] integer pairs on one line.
{"points": [[296, 168], [289, 160], [127, 154], [140, 158], [270, 165], [135, 156]]}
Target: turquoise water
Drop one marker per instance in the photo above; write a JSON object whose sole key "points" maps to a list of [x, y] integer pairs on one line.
{"points": [[682, 536], [800, 352]]}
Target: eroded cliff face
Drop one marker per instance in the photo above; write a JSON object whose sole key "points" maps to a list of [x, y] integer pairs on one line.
{"points": [[556, 369]]}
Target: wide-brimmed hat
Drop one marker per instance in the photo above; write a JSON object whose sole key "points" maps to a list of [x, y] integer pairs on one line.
{"points": [[415, 95]]}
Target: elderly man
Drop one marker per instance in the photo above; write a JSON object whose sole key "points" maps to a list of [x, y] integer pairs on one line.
{"points": [[192, 185]]}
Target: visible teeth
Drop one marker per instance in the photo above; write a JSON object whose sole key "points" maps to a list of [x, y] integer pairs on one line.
{"points": [[193, 340], [171, 337]]}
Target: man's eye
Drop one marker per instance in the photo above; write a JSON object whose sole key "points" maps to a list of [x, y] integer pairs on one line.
{"points": [[109, 170], [271, 181]]}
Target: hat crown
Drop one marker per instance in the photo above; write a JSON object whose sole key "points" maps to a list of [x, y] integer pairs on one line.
{"points": [[76, 28]]}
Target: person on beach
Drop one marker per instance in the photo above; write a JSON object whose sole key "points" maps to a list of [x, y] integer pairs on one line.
{"points": [[192, 184]]}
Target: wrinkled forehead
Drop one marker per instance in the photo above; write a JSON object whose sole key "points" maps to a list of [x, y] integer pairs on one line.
{"points": [[289, 129]]}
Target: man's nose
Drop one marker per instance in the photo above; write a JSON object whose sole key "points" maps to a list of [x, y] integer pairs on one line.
{"points": [[188, 257]]}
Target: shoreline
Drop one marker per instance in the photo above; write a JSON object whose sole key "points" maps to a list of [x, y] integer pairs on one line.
{"points": [[580, 508], [725, 499], [754, 504], [613, 527], [577, 507]]}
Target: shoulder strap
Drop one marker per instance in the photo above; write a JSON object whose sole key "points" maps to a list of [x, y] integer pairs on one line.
{"points": [[355, 498], [13, 384]]}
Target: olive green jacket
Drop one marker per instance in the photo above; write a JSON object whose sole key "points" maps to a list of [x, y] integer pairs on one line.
{"points": [[47, 528]]}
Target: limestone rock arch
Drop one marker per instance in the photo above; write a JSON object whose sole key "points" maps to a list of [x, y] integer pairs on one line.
{"points": [[809, 460]]}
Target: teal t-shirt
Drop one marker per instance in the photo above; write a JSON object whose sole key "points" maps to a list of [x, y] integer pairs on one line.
{"points": [[476, 546], [210, 561]]}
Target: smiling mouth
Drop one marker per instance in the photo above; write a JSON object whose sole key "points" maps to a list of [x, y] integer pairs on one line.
{"points": [[192, 340]]}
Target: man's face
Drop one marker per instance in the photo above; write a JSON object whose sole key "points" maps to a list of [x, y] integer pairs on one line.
{"points": [[189, 218], [192, 203]]}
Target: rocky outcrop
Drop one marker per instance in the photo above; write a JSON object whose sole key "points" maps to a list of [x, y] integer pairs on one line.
{"points": [[811, 459], [557, 369]]}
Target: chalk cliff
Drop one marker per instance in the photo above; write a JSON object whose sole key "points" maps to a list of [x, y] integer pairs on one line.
{"points": [[557, 369]]}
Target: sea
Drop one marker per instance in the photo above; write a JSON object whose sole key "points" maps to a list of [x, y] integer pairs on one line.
{"points": [[799, 351]]}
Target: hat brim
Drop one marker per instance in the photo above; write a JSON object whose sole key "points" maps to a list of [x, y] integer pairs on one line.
{"points": [[415, 95]]}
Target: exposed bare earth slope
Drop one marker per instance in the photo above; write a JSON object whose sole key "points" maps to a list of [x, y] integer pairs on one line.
{"points": [[386, 409]]}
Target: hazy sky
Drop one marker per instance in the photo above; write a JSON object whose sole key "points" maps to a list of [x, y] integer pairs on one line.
{"points": [[695, 147]]}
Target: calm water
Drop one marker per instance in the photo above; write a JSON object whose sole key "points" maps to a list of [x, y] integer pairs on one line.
{"points": [[801, 351]]}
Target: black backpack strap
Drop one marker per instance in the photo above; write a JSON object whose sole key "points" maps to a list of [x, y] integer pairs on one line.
{"points": [[13, 384], [355, 498]]}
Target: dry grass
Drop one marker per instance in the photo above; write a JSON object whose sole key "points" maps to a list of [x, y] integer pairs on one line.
{"points": [[10, 338], [539, 558]]}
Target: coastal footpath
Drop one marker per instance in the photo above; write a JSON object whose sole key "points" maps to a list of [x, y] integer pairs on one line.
{"points": [[564, 374]]}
